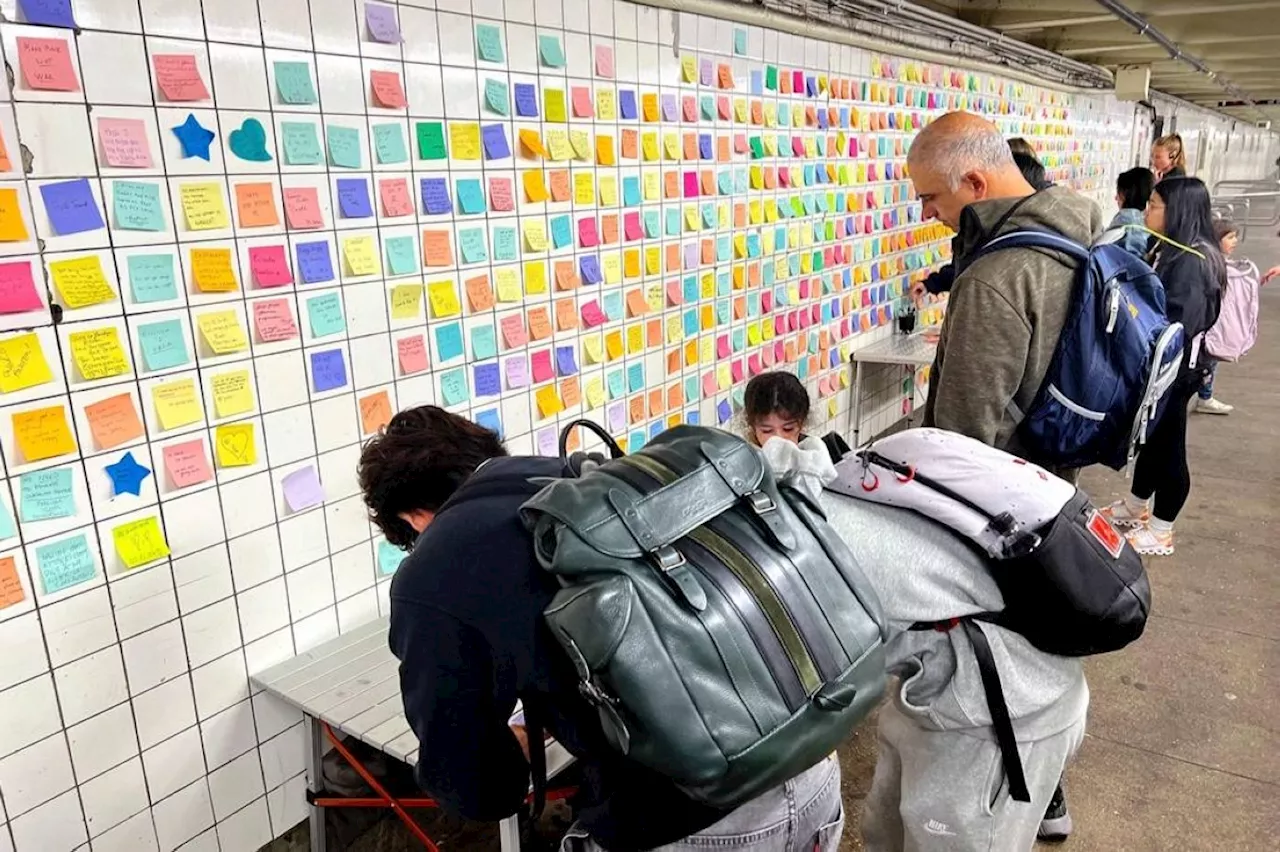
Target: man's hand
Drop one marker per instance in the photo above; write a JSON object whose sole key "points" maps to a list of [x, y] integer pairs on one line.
{"points": [[918, 291], [522, 736], [1271, 273]]}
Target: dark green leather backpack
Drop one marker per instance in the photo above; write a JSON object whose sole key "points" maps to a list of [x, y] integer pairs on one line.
{"points": [[719, 626]]}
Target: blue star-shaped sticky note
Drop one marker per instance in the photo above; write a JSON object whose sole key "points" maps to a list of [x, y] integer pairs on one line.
{"points": [[127, 475], [195, 139]]}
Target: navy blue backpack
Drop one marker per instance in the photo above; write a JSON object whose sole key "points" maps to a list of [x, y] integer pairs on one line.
{"points": [[1115, 361]]}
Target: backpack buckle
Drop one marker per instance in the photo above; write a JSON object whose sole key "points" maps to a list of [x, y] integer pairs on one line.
{"points": [[761, 503], [668, 559], [594, 694]]}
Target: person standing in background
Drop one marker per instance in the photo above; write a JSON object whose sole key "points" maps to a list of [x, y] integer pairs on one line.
{"points": [[1168, 157], [1133, 191]]}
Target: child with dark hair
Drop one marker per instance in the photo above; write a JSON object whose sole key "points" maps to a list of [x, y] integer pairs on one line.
{"points": [[776, 406], [1032, 170], [1133, 191]]}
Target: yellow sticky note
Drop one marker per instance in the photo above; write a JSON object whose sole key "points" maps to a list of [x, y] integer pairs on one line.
{"points": [[549, 403], [81, 282], [612, 266], [535, 235], [593, 346], [211, 269], [139, 542], [606, 104], [689, 68], [595, 392], [222, 332], [653, 262], [232, 393], [444, 299], [635, 339], [631, 264], [584, 189], [361, 256], [581, 143], [675, 331], [97, 353], [535, 278], [203, 206], [43, 433], [652, 186], [671, 142], [507, 282], [740, 110], [235, 445], [608, 191], [464, 140], [406, 301], [649, 147], [176, 403], [22, 363], [12, 228], [692, 221], [554, 105], [613, 345], [558, 145], [535, 189]]}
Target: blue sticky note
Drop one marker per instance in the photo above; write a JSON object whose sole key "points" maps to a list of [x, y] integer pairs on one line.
{"points": [[344, 146], [505, 244], [126, 475], [137, 206], [496, 97], [635, 378], [472, 244], [46, 495], [704, 146], [71, 207], [494, 138], [551, 50], [293, 83], [7, 528], [484, 342], [630, 191], [470, 196], [48, 13], [490, 420], [488, 379], [325, 315], [636, 440], [328, 370], [589, 269], [388, 144], [565, 364], [449, 341], [561, 231], [249, 141], [389, 557], [151, 278], [690, 287], [353, 198], [194, 138], [612, 305], [526, 100], [301, 143], [656, 428], [315, 264], [402, 255], [723, 412], [435, 196], [63, 564], [690, 322], [757, 82], [489, 43], [453, 386], [627, 103], [163, 345], [651, 224]]}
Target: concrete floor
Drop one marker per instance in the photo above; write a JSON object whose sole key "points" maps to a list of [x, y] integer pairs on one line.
{"points": [[1183, 749]]}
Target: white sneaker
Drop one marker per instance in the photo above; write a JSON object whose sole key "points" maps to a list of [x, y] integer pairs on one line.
{"points": [[1149, 542], [1120, 515], [1213, 406]]}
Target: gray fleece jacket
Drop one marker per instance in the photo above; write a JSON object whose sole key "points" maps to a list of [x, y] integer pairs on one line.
{"points": [[1005, 314]]}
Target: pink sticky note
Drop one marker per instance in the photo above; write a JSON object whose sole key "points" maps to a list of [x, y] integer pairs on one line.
{"points": [[500, 195], [631, 226], [740, 143], [736, 369], [722, 347], [709, 386], [604, 61], [394, 193], [46, 64], [517, 372], [722, 106], [797, 84], [797, 146], [18, 289], [690, 184], [767, 355], [542, 368], [766, 301], [588, 235], [754, 365], [779, 352], [302, 208], [690, 108], [273, 320], [674, 294], [581, 97], [387, 89], [178, 77], [270, 266], [592, 316], [412, 352], [124, 143], [705, 72], [784, 176], [187, 464], [513, 331]]}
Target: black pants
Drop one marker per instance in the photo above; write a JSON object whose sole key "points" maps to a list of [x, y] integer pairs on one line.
{"points": [[1162, 468]]}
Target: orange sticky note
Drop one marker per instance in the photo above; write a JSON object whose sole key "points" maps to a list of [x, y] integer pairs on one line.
{"points": [[559, 185], [655, 402], [534, 189], [566, 314], [637, 409], [12, 228], [636, 303], [479, 293], [394, 193], [5, 165], [436, 249], [302, 208], [609, 228], [539, 324], [570, 391], [42, 433], [10, 584], [566, 278], [256, 205], [604, 150], [671, 185], [649, 106], [46, 64], [531, 141], [375, 412], [113, 421], [630, 144], [387, 89]]}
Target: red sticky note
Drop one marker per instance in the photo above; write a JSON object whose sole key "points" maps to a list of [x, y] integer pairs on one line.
{"points": [[124, 143], [187, 463], [178, 77], [302, 208], [46, 64], [387, 90], [412, 352], [394, 193], [270, 266], [273, 320], [588, 236], [690, 184], [18, 289], [631, 225]]}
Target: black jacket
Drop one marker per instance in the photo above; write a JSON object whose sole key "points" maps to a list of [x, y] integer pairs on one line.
{"points": [[467, 627], [1193, 285]]}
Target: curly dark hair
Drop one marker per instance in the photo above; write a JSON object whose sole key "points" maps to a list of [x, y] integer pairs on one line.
{"points": [[417, 462]]}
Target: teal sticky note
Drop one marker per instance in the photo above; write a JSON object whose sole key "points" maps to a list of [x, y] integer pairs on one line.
{"points": [[402, 255], [551, 50], [561, 231], [484, 342], [163, 345], [652, 224], [724, 182], [63, 564], [470, 196], [449, 341], [151, 278], [489, 43], [615, 383], [505, 246], [7, 527], [739, 42], [635, 378], [389, 557], [612, 305], [46, 495], [708, 105], [453, 386], [301, 143], [344, 146], [630, 191], [472, 244], [137, 205], [388, 144], [324, 312], [497, 97], [293, 83]]}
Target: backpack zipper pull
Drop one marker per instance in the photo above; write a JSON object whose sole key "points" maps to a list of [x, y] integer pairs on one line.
{"points": [[1115, 311]]}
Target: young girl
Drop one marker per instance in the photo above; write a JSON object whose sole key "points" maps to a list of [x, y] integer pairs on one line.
{"points": [[1168, 158], [1237, 326], [776, 407], [1194, 273]]}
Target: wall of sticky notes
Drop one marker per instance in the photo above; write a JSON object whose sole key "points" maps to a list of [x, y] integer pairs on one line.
{"points": [[236, 236]]}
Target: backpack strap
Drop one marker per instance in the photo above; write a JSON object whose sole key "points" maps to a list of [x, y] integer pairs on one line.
{"points": [[1034, 238], [536, 733]]}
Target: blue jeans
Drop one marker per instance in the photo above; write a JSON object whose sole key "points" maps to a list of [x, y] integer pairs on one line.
{"points": [[803, 815], [1206, 387]]}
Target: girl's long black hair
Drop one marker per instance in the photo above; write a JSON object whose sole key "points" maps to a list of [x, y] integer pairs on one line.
{"points": [[1188, 219]]}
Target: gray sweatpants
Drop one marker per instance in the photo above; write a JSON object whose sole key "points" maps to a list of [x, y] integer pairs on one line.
{"points": [[945, 791]]}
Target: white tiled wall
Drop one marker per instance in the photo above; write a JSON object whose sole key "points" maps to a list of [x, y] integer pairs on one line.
{"points": [[127, 721]]}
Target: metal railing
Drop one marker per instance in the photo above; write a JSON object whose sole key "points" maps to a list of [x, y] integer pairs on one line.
{"points": [[1248, 203]]}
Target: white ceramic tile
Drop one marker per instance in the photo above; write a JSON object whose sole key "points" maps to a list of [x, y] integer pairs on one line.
{"points": [[55, 826], [247, 828], [182, 816], [228, 734], [24, 656], [136, 834], [28, 713], [90, 685], [102, 741], [172, 765], [35, 775], [164, 711], [154, 657], [114, 796], [236, 784]]}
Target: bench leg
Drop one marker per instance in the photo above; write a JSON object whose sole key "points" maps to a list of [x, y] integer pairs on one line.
{"points": [[315, 782], [857, 404], [509, 834]]}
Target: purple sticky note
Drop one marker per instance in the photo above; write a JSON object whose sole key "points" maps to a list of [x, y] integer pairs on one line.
{"points": [[517, 371], [617, 416], [382, 23], [669, 112], [495, 142], [589, 269], [724, 412], [811, 86], [548, 443], [328, 370], [487, 379], [314, 263], [690, 255], [71, 207], [353, 198], [526, 100], [757, 82], [435, 196], [627, 103], [704, 146], [302, 489], [49, 13], [704, 72], [565, 364]]}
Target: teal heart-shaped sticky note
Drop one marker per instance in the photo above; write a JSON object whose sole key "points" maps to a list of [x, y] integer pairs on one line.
{"points": [[250, 141]]}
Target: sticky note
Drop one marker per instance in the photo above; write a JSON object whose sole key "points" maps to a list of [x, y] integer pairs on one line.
{"points": [[269, 266], [71, 207], [453, 387], [211, 270], [361, 256], [406, 301], [402, 255], [315, 264], [387, 89], [273, 320], [302, 208], [388, 144], [526, 95], [375, 412], [471, 244], [488, 380], [22, 363], [604, 61], [324, 313], [394, 193], [411, 352], [353, 198], [554, 105], [176, 404], [235, 445], [187, 464], [301, 143], [123, 142], [302, 489], [431, 145], [11, 591], [484, 342], [549, 402], [551, 51], [496, 97], [496, 146], [256, 205], [293, 83], [380, 18], [113, 421], [46, 495], [464, 140], [444, 299], [203, 207], [97, 353], [222, 332], [471, 196], [178, 77], [328, 370], [18, 290], [344, 146], [163, 345], [65, 563], [46, 64], [43, 433], [140, 542], [12, 226], [489, 43], [136, 206]]}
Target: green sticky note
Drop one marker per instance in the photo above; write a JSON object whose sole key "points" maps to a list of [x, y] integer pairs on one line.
{"points": [[402, 255], [137, 206], [293, 82], [344, 146], [388, 144], [301, 143], [431, 141], [708, 107], [757, 148], [771, 78], [151, 278], [389, 557], [46, 495], [453, 386], [489, 43], [740, 42], [551, 50], [484, 342], [497, 97], [66, 563], [7, 527], [162, 345], [325, 315]]}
